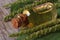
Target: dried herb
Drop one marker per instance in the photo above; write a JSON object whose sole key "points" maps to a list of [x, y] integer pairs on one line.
{"points": [[43, 32], [37, 28], [18, 8]]}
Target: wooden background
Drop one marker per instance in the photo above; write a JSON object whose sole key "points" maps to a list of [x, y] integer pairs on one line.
{"points": [[5, 27]]}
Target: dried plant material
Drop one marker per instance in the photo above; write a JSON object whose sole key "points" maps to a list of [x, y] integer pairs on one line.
{"points": [[37, 28], [20, 20]]}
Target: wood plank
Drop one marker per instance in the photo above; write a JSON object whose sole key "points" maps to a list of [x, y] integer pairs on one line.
{"points": [[4, 2], [6, 28]]}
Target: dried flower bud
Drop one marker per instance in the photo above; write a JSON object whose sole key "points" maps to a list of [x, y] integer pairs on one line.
{"points": [[26, 12], [20, 20]]}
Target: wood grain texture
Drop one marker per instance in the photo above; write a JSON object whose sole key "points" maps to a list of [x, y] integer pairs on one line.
{"points": [[5, 27]]}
